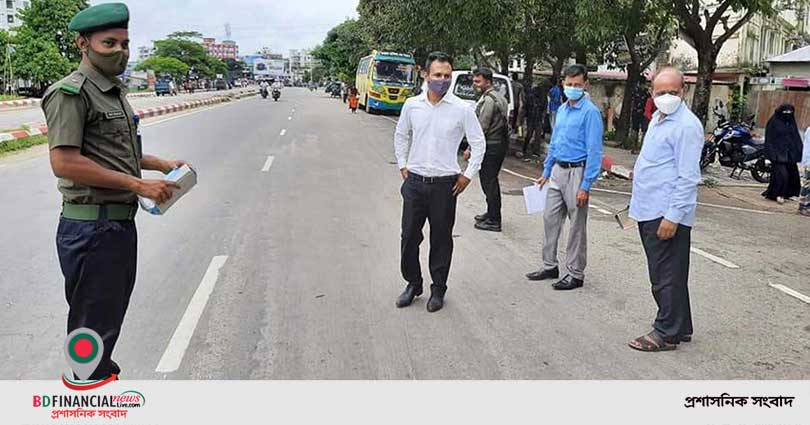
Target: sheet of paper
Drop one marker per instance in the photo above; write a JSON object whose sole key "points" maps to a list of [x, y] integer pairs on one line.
{"points": [[535, 198]]}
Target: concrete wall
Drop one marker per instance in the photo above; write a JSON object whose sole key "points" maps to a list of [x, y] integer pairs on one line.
{"points": [[790, 69]]}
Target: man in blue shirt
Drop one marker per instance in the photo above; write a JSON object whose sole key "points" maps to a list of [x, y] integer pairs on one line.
{"points": [[554, 102], [572, 166], [665, 185]]}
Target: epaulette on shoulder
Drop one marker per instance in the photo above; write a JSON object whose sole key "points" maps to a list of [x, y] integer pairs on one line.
{"points": [[72, 84]]}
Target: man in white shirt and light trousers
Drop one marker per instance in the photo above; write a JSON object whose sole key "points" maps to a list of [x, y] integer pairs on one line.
{"points": [[665, 186], [429, 132]]}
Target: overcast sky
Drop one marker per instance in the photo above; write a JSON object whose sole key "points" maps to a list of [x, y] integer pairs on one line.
{"points": [[279, 24]]}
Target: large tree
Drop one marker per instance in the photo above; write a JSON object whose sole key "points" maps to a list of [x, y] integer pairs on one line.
{"points": [[38, 59], [165, 66], [342, 49], [182, 46], [633, 33], [707, 26], [49, 20]]}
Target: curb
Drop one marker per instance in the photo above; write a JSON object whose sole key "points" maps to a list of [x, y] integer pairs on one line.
{"points": [[42, 129]]}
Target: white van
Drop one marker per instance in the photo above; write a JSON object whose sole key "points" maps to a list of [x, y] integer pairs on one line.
{"points": [[462, 87]]}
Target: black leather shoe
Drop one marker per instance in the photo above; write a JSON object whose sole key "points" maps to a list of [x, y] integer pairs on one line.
{"points": [[436, 301], [481, 217], [489, 225], [544, 274], [568, 283], [411, 292], [686, 338]]}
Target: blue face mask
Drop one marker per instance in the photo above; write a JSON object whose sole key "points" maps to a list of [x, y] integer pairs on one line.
{"points": [[574, 93]]}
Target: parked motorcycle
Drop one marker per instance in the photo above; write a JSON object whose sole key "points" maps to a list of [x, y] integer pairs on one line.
{"points": [[276, 94], [264, 93], [735, 147]]}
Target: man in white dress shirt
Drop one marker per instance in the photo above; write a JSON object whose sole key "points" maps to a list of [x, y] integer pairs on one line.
{"points": [[426, 142]]}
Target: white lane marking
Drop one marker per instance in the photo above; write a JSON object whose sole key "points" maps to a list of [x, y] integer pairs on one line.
{"points": [[616, 192], [268, 163], [176, 349], [175, 116], [506, 170], [714, 258], [601, 210], [289, 118], [283, 132], [791, 292]]}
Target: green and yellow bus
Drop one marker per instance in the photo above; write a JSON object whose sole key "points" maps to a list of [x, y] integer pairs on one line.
{"points": [[385, 80]]}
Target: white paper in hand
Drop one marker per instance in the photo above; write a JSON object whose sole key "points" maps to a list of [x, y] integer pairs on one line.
{"points": [[535, 198]]}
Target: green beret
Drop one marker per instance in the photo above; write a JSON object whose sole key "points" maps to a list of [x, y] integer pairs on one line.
{"points": [[101, 17]]}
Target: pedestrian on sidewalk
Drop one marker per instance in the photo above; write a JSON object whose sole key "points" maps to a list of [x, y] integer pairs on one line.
{"points": [[426, 143], [572, 166], [96, 155], [353, 99], [665, 186], [783, 147], [493, 112], [554, 102], [804, 199]]}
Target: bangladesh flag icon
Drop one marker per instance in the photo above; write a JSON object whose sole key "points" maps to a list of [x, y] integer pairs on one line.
{"points": [[83, 349]]}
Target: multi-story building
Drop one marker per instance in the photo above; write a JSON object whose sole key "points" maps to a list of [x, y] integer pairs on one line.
{"points": [[225, 50], [748, 50], [9, 13], [300, 61], [145, 52]]}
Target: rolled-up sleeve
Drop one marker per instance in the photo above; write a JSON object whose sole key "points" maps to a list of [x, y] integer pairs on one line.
{"points": [[687, 157], [594, 130], [475, 138], [402, 137]]}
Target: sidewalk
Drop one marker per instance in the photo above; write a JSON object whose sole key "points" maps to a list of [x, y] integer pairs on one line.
{"points": [[36, 129], [720, 190]]}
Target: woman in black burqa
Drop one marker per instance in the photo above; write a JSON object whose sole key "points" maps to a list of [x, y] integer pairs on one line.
{"points": [[783, 147]]}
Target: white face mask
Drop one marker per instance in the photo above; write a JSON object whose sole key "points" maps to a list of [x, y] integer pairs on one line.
{"points": [[667, 103]]}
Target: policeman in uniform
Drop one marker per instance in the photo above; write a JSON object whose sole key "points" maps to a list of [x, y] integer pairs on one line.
{"points": [[95, 153]]}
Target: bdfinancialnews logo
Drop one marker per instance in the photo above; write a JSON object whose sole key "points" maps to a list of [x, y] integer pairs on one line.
{"points": [[127, 400]]}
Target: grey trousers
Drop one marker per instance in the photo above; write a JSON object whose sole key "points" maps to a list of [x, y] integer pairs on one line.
{"points": [[562, 202], [668, 263]]}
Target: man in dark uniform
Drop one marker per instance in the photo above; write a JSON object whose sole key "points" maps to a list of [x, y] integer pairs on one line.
{"points": [[95, 153]]}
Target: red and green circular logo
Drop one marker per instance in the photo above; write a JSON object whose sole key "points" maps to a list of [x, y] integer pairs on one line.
{"points": [[83, 348]]}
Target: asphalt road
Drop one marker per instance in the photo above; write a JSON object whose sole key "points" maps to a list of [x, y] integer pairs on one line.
{"points": [[11, 119], [312, 271]]}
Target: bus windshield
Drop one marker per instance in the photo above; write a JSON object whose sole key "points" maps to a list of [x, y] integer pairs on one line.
{"points": [[394, 72]]}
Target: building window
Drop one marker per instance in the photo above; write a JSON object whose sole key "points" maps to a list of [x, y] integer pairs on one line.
{"points": [[10, 19], [9, 4]]}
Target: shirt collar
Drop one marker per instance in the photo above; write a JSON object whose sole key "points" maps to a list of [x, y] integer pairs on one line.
{"points": [[101, 81], [579, 104], [671, 116], [424, 97]]}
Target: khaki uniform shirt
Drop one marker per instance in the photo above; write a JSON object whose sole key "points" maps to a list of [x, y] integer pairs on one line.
{"points": [[492, 114], [90, 111]]}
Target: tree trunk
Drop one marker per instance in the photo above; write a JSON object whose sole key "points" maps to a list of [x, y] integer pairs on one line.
{"points": [[582, 55], [707, 62], [528, 72], [626, 116], [556, 69], [503, 58]]}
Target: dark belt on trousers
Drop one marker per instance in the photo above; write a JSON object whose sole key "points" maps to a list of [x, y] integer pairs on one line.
{"points": [[429, 180], [93, 212], [570, 164]]}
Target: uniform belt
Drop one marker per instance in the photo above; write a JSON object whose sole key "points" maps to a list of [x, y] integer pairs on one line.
{"points": [[570, 164], [92, 212], [429, 180]]}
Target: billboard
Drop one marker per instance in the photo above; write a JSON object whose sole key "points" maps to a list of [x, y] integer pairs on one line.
{"points": [[268, 68]]}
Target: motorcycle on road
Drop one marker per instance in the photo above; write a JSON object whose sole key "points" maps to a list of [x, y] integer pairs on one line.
{"points": [[276, 94], [733, 144]]}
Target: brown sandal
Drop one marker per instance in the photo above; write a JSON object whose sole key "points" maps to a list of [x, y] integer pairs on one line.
{"points": [[650, 343]]}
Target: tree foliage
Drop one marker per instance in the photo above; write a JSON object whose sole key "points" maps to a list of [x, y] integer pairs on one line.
{"points": [[49, 20], [37, 58], [707, 27], [343, 47], [181, 46], [630, 34], [165, 66]]}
